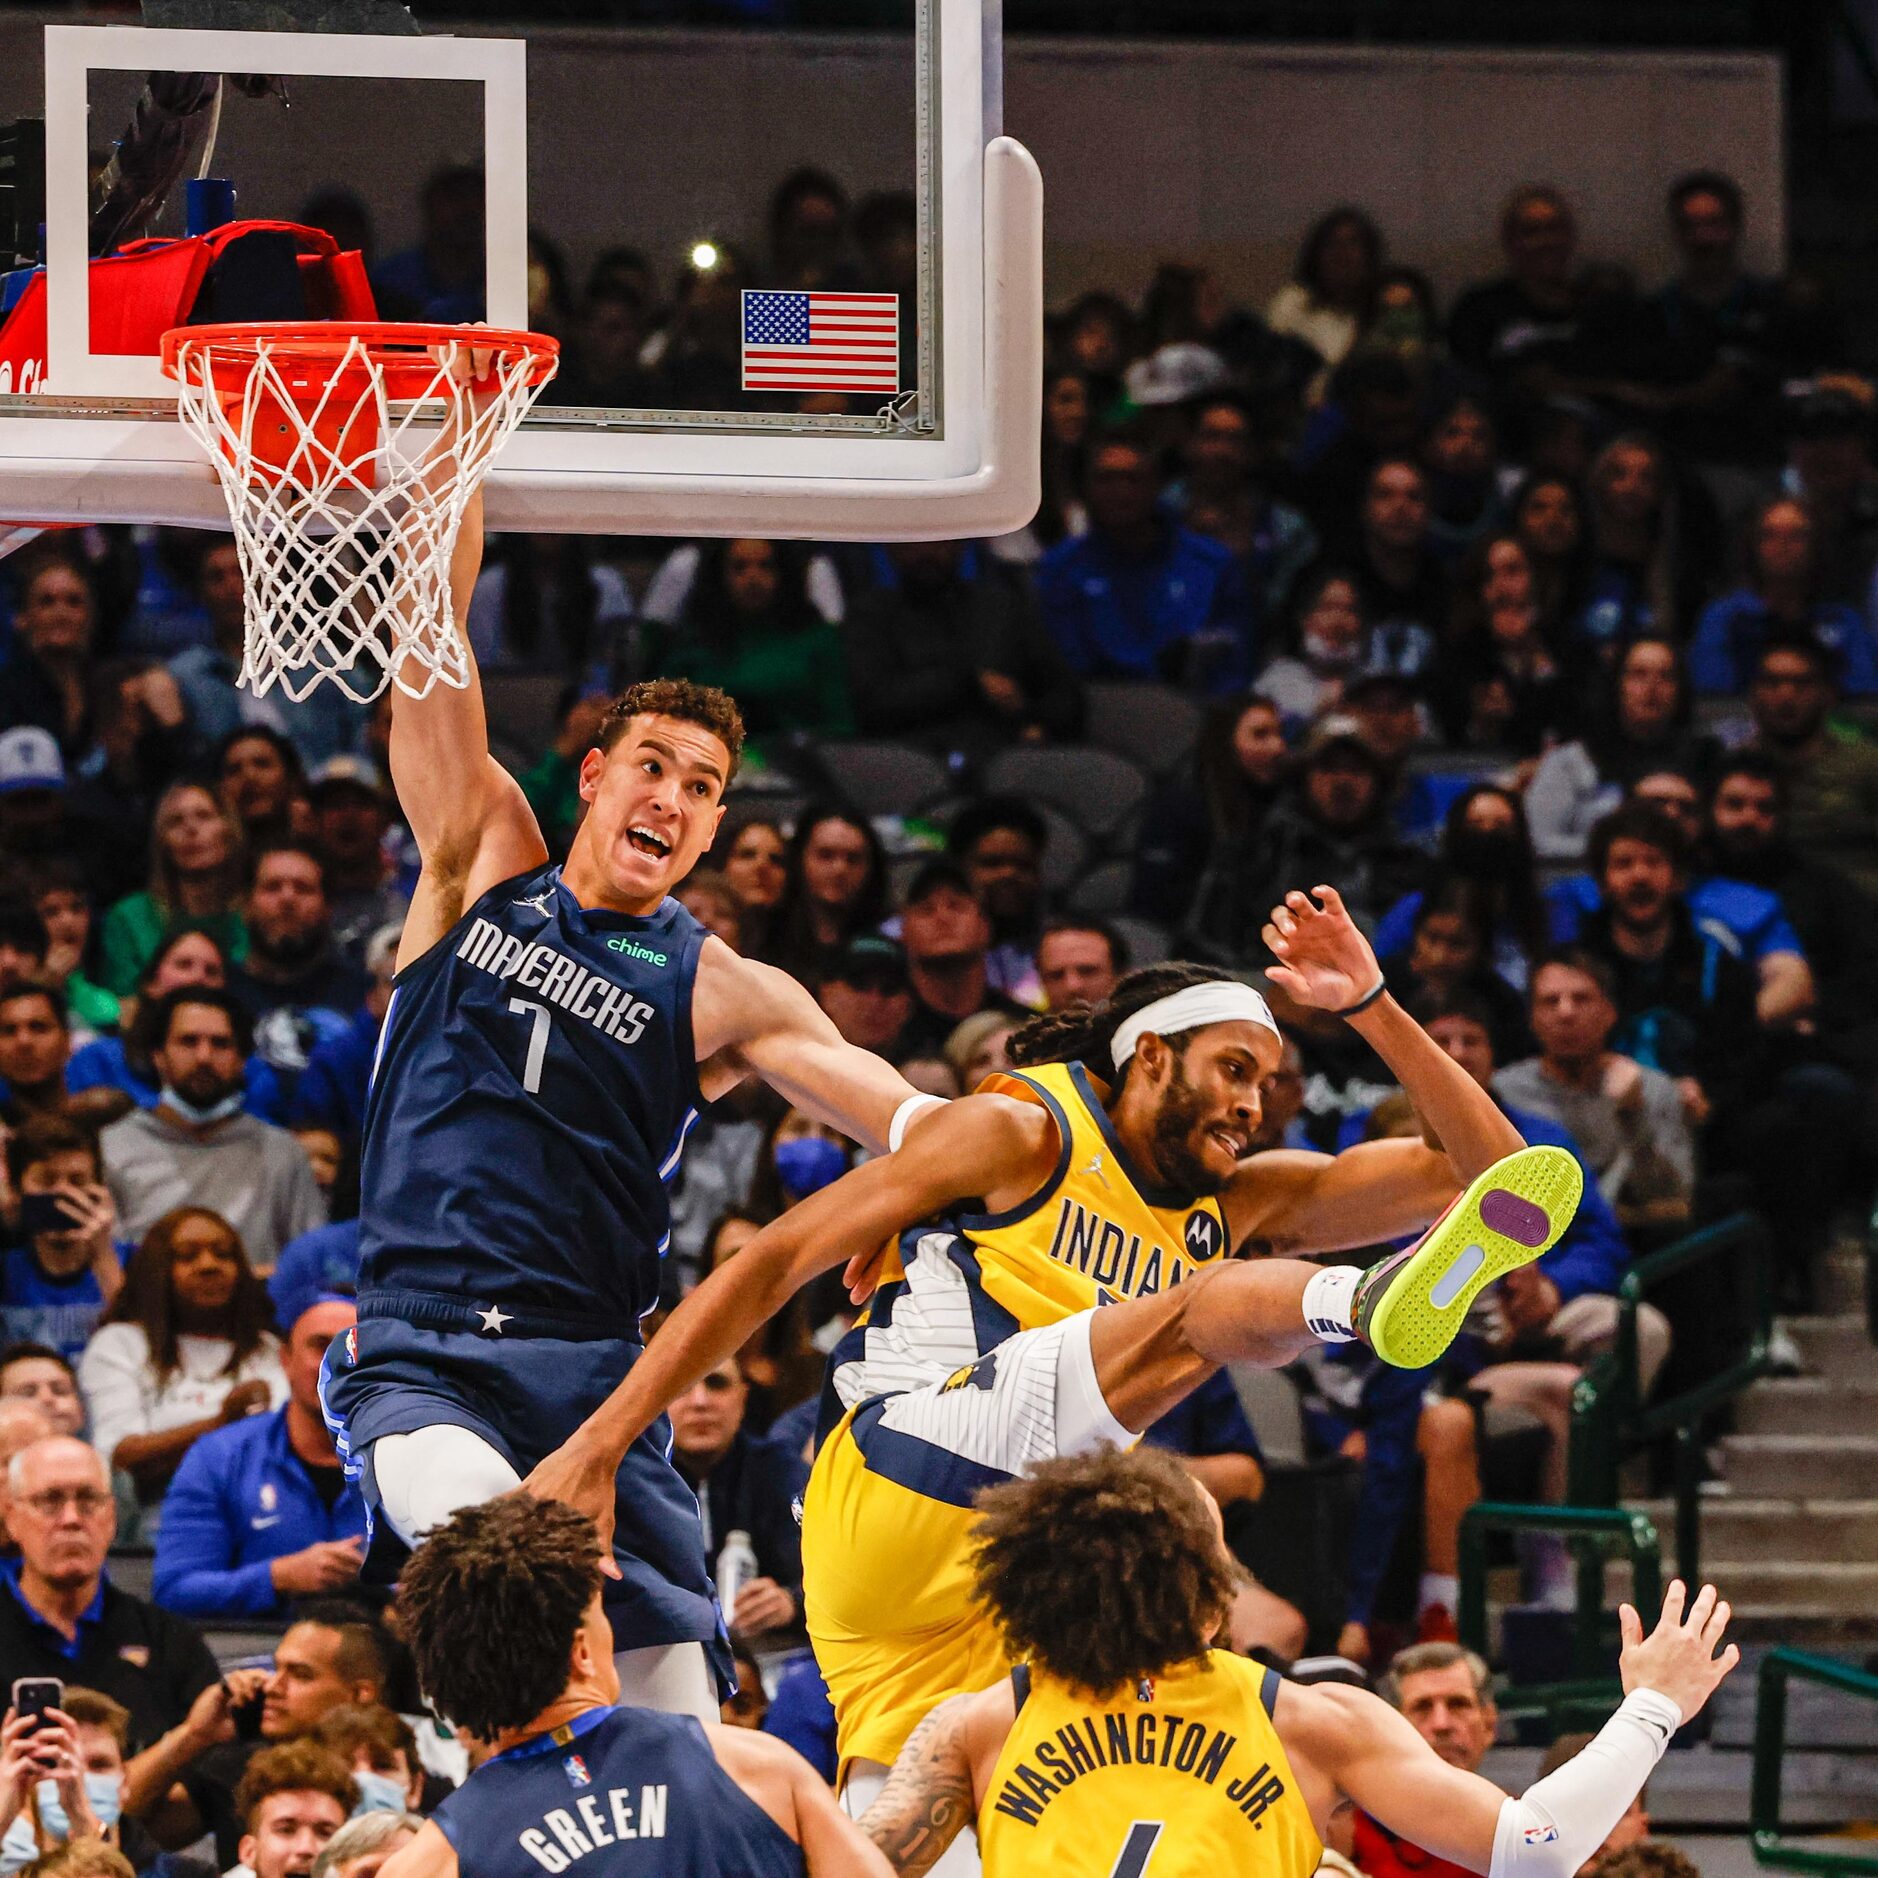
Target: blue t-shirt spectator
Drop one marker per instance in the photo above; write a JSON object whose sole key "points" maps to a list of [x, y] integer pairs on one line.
{"points": [[1732, 630], [802, 1713], [104, 1064], [320, 1263], [36, 1306], [1754, 916], [331, 1090], [241, 1499], [1180, 616]]}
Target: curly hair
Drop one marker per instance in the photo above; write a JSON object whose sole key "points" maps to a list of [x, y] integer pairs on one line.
{"points": [[301, 1766], [1102, 1568], [703, 705], [491, 1603], [1084, 1033]]}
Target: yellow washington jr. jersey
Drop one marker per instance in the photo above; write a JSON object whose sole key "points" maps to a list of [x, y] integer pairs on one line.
{"points": [[1096, 1231], [1183, 1774], [932, 1416]]}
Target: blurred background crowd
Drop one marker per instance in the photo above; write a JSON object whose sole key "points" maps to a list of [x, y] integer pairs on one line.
{"points": [[1540, 623]]}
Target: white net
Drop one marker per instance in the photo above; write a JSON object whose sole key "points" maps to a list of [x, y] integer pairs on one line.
{"points": [[346, 499]]}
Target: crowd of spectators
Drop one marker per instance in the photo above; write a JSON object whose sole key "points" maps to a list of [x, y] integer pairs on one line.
{"points": [[1541, 626]]}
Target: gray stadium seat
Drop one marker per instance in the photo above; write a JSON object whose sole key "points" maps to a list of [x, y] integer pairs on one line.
{"points": [[1148, 944], [1103, 890], [1096, 789], [884, 778], [1152, 725]]}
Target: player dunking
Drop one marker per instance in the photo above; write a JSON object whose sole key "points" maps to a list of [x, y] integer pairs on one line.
{"points": [[552, 1033], [1113, 1173]]}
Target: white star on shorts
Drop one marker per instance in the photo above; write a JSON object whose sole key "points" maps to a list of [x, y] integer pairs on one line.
{"points": [[494, 1318]]}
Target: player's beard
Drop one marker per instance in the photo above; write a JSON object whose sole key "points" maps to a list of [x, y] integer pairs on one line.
{"points": [[1182, 1112]]}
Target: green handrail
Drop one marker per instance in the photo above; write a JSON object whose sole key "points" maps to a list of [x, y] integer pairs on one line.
{"points": [[1608, 1419], [1771, 1847], [1592, 1532]]}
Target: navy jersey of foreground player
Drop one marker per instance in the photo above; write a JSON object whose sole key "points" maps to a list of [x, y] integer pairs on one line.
{"points": [[618, 1790], [535, 1079], [534, 1083]]}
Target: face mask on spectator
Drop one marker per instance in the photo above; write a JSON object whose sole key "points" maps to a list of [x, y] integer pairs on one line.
{"points": [[809, 1164], [104, 1791], [1327, 650], [378, 1793], [204, 1114]]}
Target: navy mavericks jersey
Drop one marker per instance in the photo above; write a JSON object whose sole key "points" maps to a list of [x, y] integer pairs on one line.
{"points": [[618, 1790], [534, 1083]]}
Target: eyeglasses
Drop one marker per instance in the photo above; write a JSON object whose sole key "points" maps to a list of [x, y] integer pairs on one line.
{"points": [[48, 1501]]}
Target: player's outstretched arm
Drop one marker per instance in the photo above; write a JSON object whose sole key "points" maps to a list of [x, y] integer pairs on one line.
{"points": [[982, 1145], [796, 1797], [1325, 962], [930, 1795], [472, 823], [750, 1019], [1373, 1755]]}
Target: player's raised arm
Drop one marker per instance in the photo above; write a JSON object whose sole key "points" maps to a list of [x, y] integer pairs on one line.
{"points": [[749, 1019], [1321, 1205], [1372, 1754], [981, 1146], [472, 823]]}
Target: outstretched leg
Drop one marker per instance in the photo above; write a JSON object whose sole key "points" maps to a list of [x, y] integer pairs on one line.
{"points": [[1150, 1352]]}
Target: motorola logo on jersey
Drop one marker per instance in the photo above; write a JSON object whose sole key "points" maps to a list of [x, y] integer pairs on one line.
{"points": [[558, 979], [1206, 1238]]}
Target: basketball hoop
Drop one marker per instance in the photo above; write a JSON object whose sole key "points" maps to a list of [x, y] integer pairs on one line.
{"points": [[348, 454]]}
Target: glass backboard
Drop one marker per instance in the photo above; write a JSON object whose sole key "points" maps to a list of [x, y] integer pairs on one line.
{"points": [[765, 256]]}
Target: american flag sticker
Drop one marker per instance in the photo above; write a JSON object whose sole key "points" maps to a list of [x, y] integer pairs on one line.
{"points": [[821, 341]]}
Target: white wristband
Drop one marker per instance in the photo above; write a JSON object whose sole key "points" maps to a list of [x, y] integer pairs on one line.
{"points": [[903, 1118]]}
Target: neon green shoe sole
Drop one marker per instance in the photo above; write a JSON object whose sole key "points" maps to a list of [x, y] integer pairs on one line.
{"points": [[1409, 1308]]}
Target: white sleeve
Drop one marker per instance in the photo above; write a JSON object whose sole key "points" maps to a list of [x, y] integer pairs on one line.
{"points": [[1560, 1821], [114, 1376]]}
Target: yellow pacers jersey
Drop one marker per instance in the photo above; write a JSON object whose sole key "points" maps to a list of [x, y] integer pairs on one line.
{"points": [[1097, 1231], [1183, 1775]]}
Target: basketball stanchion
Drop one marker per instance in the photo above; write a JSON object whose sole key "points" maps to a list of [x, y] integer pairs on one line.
{"points": [[348, 453]]}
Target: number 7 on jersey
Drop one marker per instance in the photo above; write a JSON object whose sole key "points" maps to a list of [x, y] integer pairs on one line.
{"points": [[537, 1040]]}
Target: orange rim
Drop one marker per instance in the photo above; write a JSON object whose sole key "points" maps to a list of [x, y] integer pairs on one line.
{"points": [[399, 350]]}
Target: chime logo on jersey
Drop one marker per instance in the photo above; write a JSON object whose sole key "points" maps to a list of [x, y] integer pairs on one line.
{"points": [[576, 1771]]}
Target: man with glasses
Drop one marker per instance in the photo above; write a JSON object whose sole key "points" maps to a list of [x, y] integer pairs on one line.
{"points": [[60, 1615]]}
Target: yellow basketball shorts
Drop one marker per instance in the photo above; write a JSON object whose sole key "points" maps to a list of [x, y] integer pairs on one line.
{"points": [[886, 1523]]}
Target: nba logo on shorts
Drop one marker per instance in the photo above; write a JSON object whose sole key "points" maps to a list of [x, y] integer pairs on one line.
{"points": [[576, 1770], [352, 1344], [1540, 1835]]}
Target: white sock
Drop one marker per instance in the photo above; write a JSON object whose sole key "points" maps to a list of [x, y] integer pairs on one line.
{"points": [[1327, 1300], [1441, 1588]]}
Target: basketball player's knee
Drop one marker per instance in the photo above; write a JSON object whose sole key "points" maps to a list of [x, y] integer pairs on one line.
{"points": [[426, 1476]]}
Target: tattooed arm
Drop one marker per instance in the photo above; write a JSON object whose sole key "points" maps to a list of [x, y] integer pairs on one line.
{"points": [[929, 1797]]}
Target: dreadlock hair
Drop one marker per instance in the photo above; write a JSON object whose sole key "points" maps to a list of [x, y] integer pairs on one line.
{"points": [[491, 1603], [1085, 1033], [1102, 1568]]}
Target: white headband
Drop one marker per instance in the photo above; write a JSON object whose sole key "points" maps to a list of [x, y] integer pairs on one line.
{"points": [[1218, 1001]]}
